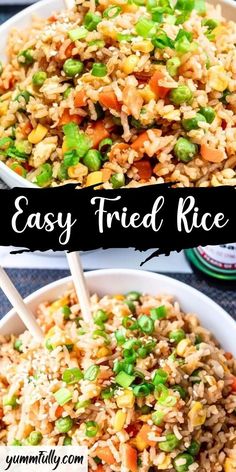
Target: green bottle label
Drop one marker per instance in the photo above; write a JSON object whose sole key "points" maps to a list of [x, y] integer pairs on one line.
{"points": [[216, 261]]}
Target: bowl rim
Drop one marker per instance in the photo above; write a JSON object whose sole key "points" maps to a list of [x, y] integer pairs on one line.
{"points": [[132, 273], [22, 182]]}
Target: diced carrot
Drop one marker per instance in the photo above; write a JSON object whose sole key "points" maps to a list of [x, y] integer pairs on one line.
{"points": [[106, 174], [137, 145], [104, 453], [1, 413], [144, 169], [211, 154], [69, 49], [19, 170], [52, 18], [130, 458], [159, 91], [233, 385], [98, 132], [143, 434], [59, 412], [26, 128], [228, 356], [109, 100], [68, 118], [80, 99], [99, 468]]}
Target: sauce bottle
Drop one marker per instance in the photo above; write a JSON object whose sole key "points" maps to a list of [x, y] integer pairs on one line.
{"points": [[215, 261]]}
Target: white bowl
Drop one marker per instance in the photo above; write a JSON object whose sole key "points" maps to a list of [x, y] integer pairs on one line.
{"points": [[111, 281], [44, 8]]}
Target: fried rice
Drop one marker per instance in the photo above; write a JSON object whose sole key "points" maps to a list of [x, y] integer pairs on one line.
{"points": [[111, 74], [145, 388]]}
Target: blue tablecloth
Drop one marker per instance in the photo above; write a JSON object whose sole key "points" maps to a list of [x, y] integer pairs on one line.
{"points": [[27, 281]]}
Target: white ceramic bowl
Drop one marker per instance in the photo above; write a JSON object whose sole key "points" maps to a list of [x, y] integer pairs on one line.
{"points": [[44, 8], [111, 281]]}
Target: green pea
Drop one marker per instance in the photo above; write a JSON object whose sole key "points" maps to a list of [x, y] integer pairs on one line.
{"points": [[117, 180], [185, 150], [181, 94], [208, 113], [171, 442], [25, 58], [64, 424], [67, 441], [73, 67], [66, 312], [172, 66], [16, 442], [35, 438], [194, 448], [93, 160], [48, 345], [67, 92], [10, 401], [39, 78], [18, 345], [177, 335], [183, 457], [193, 123]]}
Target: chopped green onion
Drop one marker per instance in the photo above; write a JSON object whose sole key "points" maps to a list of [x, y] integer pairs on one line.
{"points": [[100, 333], [99, 69], [198, 339], [129, 355], [185, 5], [124, 37], [105, 145], [25, 95], [132, 343], [112, 12], [150, 5], [130, 305], [72, 376], [120, 335], [91, 21], [18, 345], [172, 66], [10, 401], [78, 33], [97, 42], [123, 366], [64, 424], [224, 97], [162, 41], [146, 324], [107, 393], [163, 397], [67, 92], [160, 377], [195, 378], [92, 372], [44, 176], [91, 429], [1, 68], [20, 170], [128, 322], [83, 404], [5, 143], [145, 27], [142, 390], [76, 140], [157, 417], [124, 380], [63, 396], [182, 18], [171, 442], [158, 313], [35, 438], [194, 448], [177, 335], [66, 312], [16, 442], [181, 391]]}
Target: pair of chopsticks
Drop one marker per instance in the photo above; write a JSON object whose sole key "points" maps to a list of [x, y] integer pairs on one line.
{"points": [[26, 314]]}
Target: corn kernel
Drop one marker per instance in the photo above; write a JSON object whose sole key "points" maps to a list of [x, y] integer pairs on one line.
{"points": [[94, 178], [219, 31], [182, 347], [147, 94], [119, 421], [129, 64], [140, 444], [64, 147], [218, 79], [3, 108], [102, 352], [78, 171], [130, 8], [58, 304], [145, 418], [37, 135], [230, 465], [144, 46], [165, 464], [197, 414], [119, 297], [126, 400], [215, 182]]}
